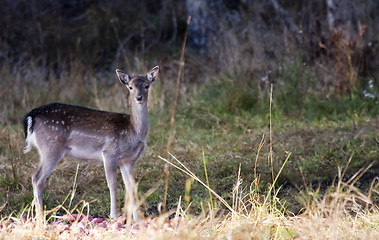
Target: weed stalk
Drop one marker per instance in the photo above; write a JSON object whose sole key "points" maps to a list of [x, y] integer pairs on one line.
{"points": [[74, 186], [206, 178], [272, 166], [173, 113]]}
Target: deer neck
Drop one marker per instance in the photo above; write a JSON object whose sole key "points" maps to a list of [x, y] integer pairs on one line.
{"points": [[139, 118]]}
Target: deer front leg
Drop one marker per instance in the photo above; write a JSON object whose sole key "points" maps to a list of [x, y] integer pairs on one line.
{"points": [[110, 166], [127, 176]]}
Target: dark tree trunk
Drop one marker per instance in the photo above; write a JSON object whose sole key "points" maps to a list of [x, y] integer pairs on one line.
{"points": [[204, 26]]}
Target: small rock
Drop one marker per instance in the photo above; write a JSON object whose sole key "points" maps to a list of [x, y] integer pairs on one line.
{"points": [[57, 224], [121, 219], [10, 227], [97, 220], [73, 217], [69, 217], [90, 218], [103, 224], [83, 224], [80, 230], [24, 218], [117, 225], [66, 227], [138, 227]]}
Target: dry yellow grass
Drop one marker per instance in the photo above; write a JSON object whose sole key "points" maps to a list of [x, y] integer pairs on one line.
{"points": [[267, 225], [343, 213]]}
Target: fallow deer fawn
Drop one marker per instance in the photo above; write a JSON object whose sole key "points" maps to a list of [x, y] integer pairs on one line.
{"points": [[111, 139]]}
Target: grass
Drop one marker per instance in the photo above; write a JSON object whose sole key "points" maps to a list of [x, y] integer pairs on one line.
{"points": [[228, 133], [336, 215], [222, 128]]}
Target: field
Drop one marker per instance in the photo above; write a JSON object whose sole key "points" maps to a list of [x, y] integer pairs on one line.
{"points": [[272, 138], [328, 183]]}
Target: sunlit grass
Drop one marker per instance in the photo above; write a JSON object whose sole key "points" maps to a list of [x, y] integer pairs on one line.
{"points": [[312, 199], [343, 213]]}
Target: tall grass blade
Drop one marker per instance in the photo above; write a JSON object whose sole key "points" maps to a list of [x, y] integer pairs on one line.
{"points": [[173, 112], [74, 186], [270, 190], [189, 173], [270, 153], [206, 178]]}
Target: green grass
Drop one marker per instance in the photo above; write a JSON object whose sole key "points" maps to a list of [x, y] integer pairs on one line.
{"points": [[214, 117]]}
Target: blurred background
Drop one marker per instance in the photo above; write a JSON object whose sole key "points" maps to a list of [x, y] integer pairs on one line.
{"points": [[321, 57], [245, 37]]}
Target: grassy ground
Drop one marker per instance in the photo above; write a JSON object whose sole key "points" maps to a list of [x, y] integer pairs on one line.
{"points": [[321, 139], [223, 122]]}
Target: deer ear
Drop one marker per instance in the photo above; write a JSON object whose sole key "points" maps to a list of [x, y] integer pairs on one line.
{"points": [[153, 74], [122, 76]]}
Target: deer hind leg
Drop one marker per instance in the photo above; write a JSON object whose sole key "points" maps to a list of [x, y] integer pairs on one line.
{"points": [[127, 176], [110, 166], [48, 161]]}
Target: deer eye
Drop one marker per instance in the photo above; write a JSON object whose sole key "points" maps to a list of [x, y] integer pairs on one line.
{"points": [[147, 87], [130, 88]]}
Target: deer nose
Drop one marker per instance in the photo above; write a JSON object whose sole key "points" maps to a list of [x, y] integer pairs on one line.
{"points": [[139, 98]]}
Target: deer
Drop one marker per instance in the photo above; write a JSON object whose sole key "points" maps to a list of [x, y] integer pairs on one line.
{"points": [[93, 136]]}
